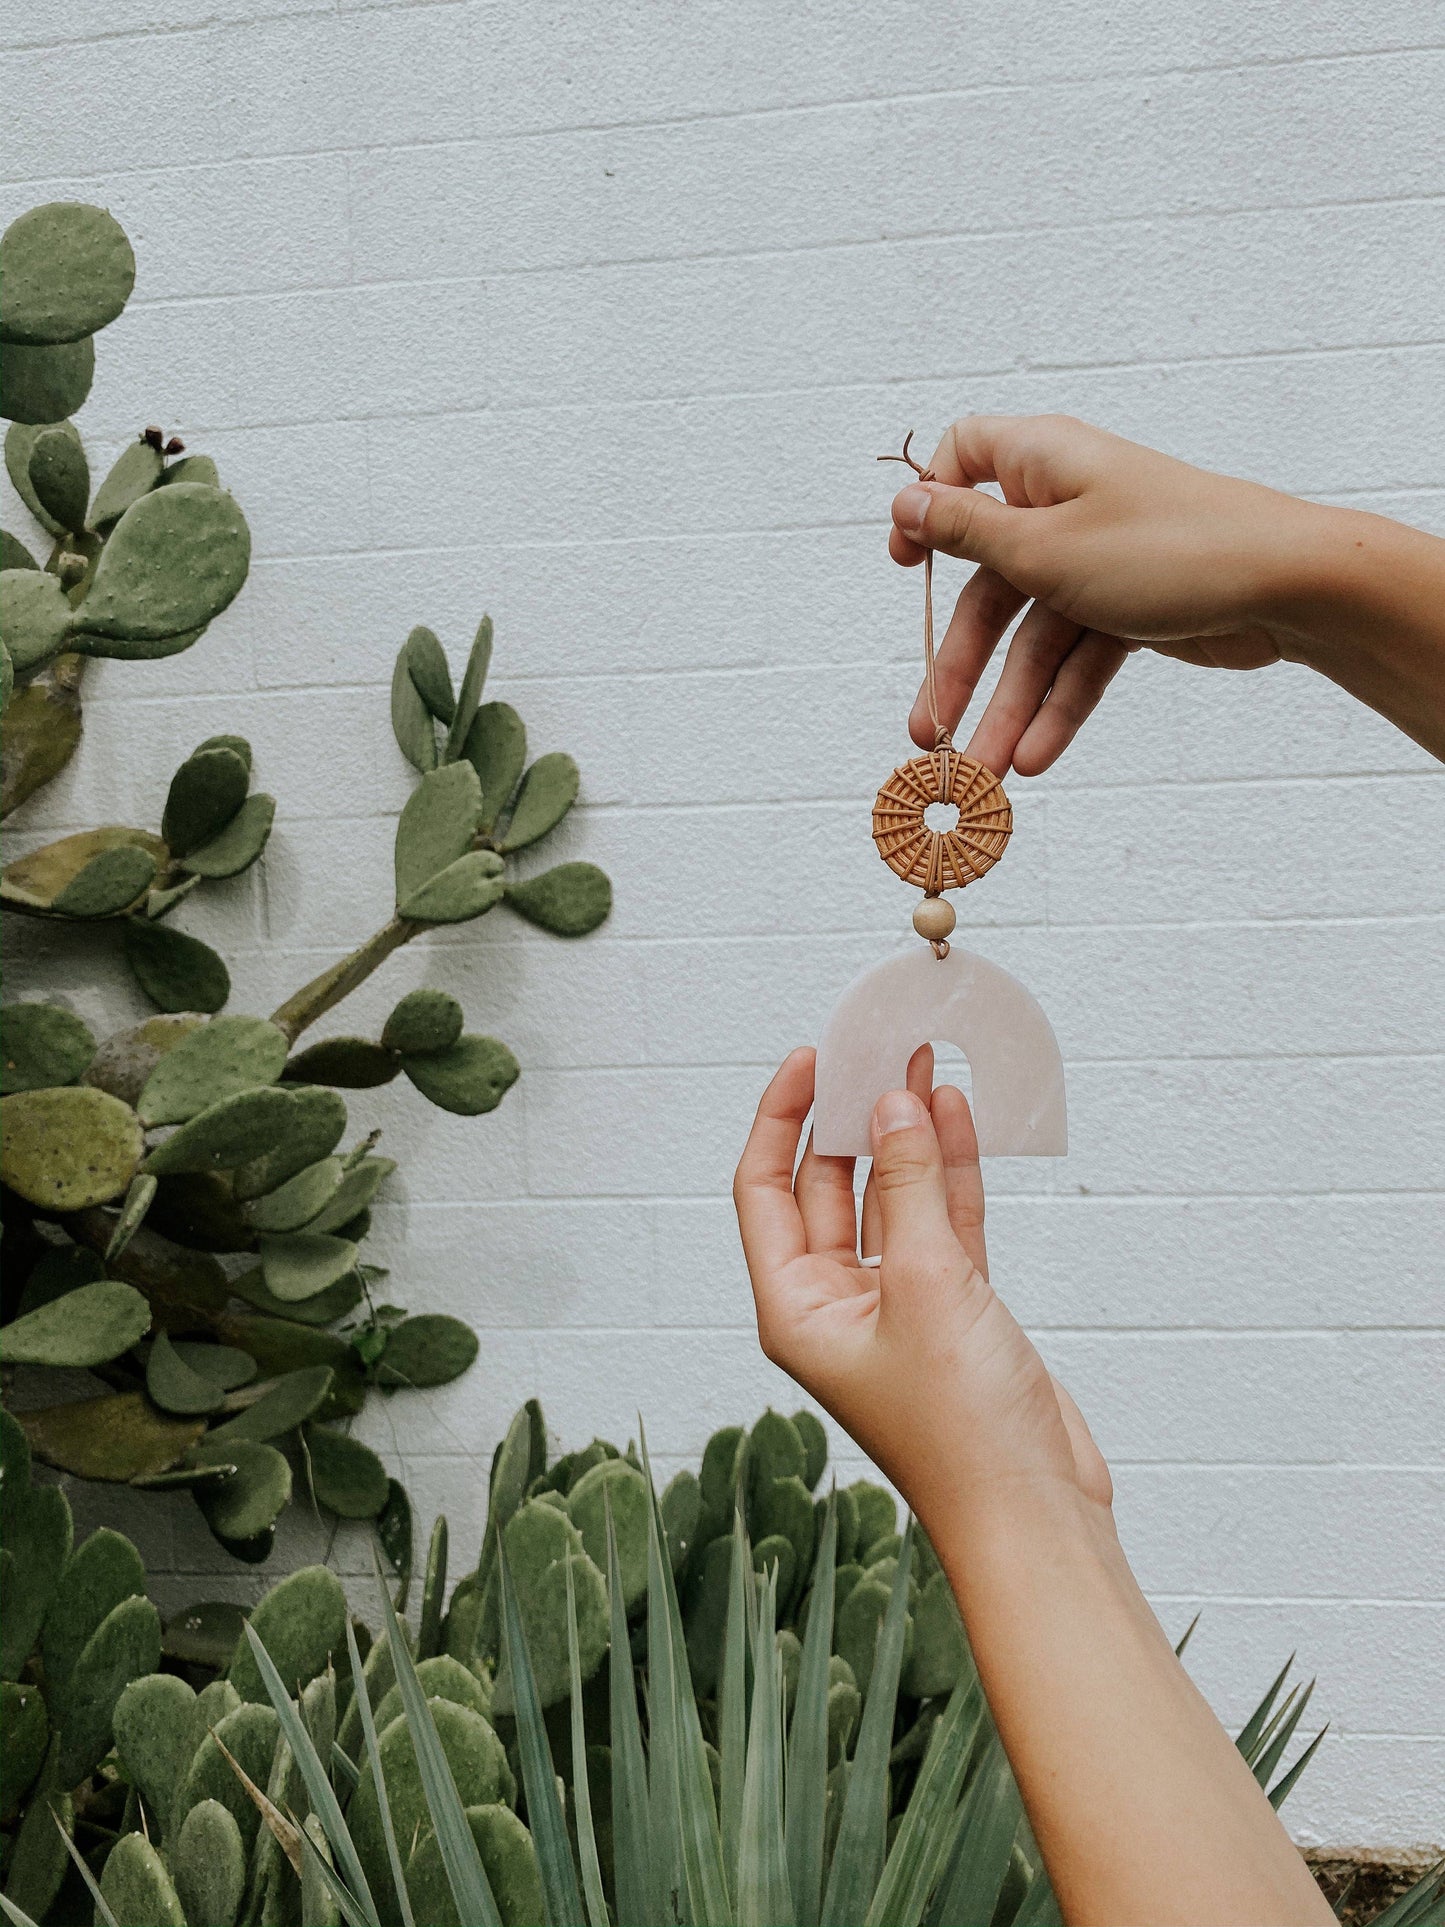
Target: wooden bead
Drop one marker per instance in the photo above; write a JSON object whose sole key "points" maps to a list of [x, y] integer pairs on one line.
{"points": [[934, 919]]}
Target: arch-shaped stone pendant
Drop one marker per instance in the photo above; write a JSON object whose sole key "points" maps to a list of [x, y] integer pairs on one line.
{"points": [[961, 999]]}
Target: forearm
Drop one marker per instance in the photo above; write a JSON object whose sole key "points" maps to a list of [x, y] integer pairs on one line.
{"points": [[1362, 600], [1144, 1809]]}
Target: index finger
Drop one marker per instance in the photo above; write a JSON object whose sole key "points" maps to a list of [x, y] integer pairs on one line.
{"points": [[768, 1216]]}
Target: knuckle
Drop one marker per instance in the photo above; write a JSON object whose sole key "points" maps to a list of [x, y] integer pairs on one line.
{"points": [[901, 1171]]}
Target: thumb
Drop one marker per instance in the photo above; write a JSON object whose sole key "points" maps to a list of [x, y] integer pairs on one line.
{"points": [[960, 521], [909, 1183]]}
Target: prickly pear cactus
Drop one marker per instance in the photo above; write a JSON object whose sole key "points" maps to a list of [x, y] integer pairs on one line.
{"points": [[184, 1212]]}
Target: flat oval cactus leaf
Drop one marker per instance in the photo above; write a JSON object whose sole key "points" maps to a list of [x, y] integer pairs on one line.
{"points": [[216, 1061], [222, 1136], [175, 970], [206, 792], [424, 1020], [205, 1634], [208, 1864], [38, 1537], [469, 1079], [299, 1264], [226, 1366], [26, 1726], [311, 1129], [136, 1886], [426, 664], [237, 846], [549, 789], [412, 723], [436, 826], [175, 1386], [350, 1063], [20, 440], [35, 618], [60, 476], [470, 695], [66, 269], [174, 561], [249, 1733], [247, 1503], [68, 1149], [40, 385], [429, 1348], [118, 1437], [302, 1624], [85, 1327], [496, 748], [192, 468], [478, 1764], [299, 1199], [280, 1409], [618, 1488], [569, 901], [152, 1726], [14, 554], [125, 1645], [353, 1195], [346, 1476], [463, 890], [135, 473], [110, 884], [42, 1045]]}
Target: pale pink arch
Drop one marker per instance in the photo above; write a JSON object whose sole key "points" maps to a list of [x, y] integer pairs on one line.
{"points": [[884, 1015]]}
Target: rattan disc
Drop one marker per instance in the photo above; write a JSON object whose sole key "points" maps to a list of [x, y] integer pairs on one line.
{"points": [[948, 859]]}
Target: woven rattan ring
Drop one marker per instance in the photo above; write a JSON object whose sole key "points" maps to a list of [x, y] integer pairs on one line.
{"points": [[939, 860]]}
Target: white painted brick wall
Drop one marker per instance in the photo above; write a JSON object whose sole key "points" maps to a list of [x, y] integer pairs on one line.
{"points": [[595, 316]]}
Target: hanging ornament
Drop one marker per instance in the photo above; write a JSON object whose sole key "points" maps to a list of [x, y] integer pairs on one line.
{"points": [[941, 994]]}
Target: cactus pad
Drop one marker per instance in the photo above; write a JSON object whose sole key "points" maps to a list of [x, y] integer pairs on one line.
{"points": [[135, 473], [137, 1888], [469, 696], [208, 1865], [301, 1622], [426, 664], [125, 1645], [152, 1726], [436, 826], [346, 1476], [102, 1572], [350, 1063], [214, 1062], [38, 1533], [237, 846], [512, 1870], [118, 1437], [302, 1264], [496, 748], [412, 722], [431, 1348], [34, 618], [249, 1734], [26, 1727], [469, 1079], [174, 561], [66, 1149], [39, 879], [176, 971], [463, 890], [424, 1020], [45, 384], [569, 901], [441, 1677], [619, 1487], [245, 1505], [109, 885], [297, 1201], [85, 1327], [43, 1045], [224, 1135], [287, 1403], [549, 789], [66, 270], [60, 476], [175, 1386], [205, 794]]}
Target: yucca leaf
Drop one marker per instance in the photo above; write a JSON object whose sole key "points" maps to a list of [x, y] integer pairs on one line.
{"points": [[1280, 1735], [581, 1788], [763, 1898], [373, 1754], [467, 1877], [102, 1906], [733, 1700], [922, 1841], [808, 1734], [331, 1881], [698, 1824], [343, 1764], [1248, 1741], [863, 1830], [1422, 1906], [318, 1786], [548, 1824], [1040, 1907], [1185, 1637], [631, 1858], [15, 1915], [1282, 1789], [982, 1839]]}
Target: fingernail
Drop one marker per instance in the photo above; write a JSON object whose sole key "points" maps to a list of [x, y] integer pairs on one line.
{"points": [[897, 1111], [910, 509]]}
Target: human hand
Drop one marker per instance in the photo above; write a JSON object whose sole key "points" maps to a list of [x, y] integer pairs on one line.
{"points": [[1119, 548], [918, 1360]]}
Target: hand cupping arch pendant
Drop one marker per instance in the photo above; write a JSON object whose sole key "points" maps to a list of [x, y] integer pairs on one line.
{"points": [[944, 994]]}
